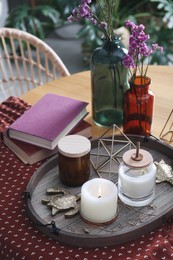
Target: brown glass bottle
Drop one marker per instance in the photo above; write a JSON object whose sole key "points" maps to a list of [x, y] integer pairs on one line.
{"points": [[138, 107]]}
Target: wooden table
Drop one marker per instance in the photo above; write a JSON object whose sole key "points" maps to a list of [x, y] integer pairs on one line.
{"points": [[20, 237], [79, 86]]}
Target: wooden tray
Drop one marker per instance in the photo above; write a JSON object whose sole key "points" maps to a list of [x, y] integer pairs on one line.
{"points": [[130, 222]]}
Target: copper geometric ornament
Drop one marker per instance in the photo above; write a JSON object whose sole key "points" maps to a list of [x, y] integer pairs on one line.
{"points": [[167, 132], [109, 151]]}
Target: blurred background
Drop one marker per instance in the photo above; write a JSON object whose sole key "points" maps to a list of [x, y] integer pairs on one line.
{"points": [[47, 19]]}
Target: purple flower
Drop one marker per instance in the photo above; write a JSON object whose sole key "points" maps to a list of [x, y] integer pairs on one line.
{"points": [[138, 49], [128, 62], [141, 27], [104, 10], [93, 21], [85, 11], [103, 25], [155, 46]]}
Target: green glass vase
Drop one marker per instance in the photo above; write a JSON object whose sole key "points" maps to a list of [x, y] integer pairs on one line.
{"points": [[109, 81]]}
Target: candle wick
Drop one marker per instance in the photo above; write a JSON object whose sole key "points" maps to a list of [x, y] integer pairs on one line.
{"points": [[137, 149], [99, 196], [137, 156]]}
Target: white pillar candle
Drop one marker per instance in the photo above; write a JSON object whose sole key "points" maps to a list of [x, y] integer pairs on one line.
{"points": [[98, 200]]}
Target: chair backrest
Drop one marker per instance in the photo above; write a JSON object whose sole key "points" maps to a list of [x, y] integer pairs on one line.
{"points": [[26, 62]]}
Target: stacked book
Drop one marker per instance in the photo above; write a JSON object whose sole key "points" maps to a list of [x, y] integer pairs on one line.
{"points": [[35, 134]]}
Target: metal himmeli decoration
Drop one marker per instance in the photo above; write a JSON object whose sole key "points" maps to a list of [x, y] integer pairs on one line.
{"points": [[167, 132], [110, 150]]}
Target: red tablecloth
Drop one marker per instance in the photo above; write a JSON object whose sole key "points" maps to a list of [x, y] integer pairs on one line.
{"points": [[20, 239]]}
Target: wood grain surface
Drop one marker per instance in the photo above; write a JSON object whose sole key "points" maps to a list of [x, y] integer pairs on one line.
{"points": [[79, 86], [130, 223]]}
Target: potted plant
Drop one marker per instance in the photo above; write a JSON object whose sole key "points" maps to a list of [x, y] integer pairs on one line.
{"points": [[38, 20]]}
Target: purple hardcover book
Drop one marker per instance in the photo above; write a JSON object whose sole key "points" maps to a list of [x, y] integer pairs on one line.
{"points": [[52, 117]]}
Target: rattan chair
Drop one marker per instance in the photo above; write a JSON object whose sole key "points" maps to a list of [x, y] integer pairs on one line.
{"points": [[26, 62]]}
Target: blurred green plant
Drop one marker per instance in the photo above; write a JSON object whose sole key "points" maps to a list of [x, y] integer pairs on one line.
{"points": [[42, 18], [126, 10], [64, 7], [38, 20], [167, 7], [156, 18], [156, 15], [161, 30]]}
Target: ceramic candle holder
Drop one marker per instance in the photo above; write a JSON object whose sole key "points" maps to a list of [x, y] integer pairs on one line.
{"points": [[98, 201]]}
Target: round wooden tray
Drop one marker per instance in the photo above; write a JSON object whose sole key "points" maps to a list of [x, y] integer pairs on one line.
{"points": [[130, 223]]}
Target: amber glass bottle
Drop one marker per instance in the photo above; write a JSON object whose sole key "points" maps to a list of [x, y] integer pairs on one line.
{"points": [[138, 107]]}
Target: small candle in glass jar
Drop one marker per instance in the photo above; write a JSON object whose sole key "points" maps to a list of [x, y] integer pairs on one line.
{"points": [[137, 178], [74, 159]]}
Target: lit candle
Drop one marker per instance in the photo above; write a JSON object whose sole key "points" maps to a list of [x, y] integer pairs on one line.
{"points": [[98, 200]]}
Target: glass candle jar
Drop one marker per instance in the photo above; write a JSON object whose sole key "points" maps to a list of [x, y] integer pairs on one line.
{"points": [[74, 160], [137, 178]]}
